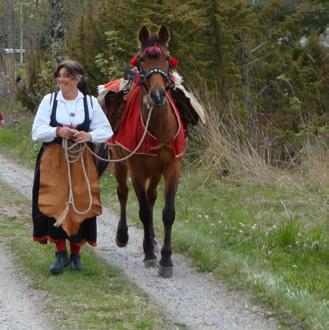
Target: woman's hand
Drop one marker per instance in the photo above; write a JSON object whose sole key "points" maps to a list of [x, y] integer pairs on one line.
{"points": [[81, 137], [65, 132]]}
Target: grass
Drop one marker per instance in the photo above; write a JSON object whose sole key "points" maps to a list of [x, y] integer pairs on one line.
{"points": [[98, 298], [272, 241], [17, 143]]}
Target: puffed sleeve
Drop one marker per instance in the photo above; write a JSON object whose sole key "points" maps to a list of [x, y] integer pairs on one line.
{"points": [[41, 130], [100, 128]]}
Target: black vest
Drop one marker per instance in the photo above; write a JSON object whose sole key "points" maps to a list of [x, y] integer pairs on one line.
{"points": [[84, 126]]}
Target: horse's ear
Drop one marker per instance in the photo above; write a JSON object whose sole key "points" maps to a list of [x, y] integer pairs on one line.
{"points": [[163, 35], [144, 35]]}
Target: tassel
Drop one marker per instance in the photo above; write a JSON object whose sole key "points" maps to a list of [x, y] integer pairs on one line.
{"points": [[173, 61], [134, 60], [152, 51]]}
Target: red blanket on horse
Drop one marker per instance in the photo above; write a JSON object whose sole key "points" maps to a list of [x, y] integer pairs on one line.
{"points": [[131, 128]]}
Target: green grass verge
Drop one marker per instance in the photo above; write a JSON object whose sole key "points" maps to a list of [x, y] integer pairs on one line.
{"points": [[97, 298], [268, 240], [17, 143]]}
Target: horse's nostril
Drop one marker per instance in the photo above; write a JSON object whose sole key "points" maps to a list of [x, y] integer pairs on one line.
{"points": [[158, 97]]}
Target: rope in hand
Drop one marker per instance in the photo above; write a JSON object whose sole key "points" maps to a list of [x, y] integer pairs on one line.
{"points": [[72, 154], [75, 152]]}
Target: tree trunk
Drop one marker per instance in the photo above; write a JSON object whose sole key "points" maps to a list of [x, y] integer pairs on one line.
{"points": [[218, 58], [10, 24], [57, 31]]}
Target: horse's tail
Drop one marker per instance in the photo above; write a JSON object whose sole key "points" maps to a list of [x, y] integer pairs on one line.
{"points": [[100, 164]]}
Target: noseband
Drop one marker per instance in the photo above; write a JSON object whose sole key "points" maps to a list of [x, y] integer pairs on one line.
{"points": [[146, 75]]}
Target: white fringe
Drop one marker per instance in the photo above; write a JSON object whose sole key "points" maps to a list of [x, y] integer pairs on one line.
{"points": [[194, 102], [100, 88]]}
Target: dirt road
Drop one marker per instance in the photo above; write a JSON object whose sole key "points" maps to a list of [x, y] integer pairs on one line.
{"points": [[191, 299]]}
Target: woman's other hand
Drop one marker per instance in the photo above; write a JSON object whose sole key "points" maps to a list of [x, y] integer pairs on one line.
{"points": [[81, 137]]}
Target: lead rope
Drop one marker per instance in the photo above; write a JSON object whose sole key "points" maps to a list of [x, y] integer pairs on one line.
{"points": [[134, 151], [75, 152]]}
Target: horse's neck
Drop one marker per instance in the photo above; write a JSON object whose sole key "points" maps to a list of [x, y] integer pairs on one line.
{"points": [[163, 123]]}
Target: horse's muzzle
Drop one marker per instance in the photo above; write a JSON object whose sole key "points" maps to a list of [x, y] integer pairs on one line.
{"points": [[158, 97]]}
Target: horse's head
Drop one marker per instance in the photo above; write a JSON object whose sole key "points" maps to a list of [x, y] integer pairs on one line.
{"points": [[153, 62]]}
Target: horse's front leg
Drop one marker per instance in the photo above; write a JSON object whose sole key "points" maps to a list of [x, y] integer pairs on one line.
{"points": [[171, 177], [145, 215], [121, 172], [152, 196]]}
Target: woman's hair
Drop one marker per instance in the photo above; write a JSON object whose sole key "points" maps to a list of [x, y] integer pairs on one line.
{"points": [[76, 70]]}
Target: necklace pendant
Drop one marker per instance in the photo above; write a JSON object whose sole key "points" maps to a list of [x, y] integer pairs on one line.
{"points": [[72, 114]]}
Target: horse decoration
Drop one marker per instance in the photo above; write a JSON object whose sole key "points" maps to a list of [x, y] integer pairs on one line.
{"points": [[149, 140]]}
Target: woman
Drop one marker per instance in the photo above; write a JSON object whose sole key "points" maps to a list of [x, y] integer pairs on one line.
{"points": [[72, 117]]}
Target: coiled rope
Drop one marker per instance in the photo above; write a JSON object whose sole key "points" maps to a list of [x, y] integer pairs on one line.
{"points": [[72, 154]]}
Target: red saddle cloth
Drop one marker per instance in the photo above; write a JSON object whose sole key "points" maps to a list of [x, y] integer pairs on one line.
{"points": [[131, 128]]}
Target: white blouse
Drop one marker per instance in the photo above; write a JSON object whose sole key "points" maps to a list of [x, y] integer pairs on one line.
{"points": [[70, 112]]}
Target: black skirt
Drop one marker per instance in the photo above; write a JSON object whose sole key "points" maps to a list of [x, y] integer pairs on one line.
{"points": [[44, 230]]}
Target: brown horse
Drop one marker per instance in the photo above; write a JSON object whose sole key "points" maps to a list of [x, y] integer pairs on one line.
{"points": [[153, 79]]}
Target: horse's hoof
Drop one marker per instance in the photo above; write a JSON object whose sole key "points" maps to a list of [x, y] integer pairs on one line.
{"points": [[165, 271], [121, 243], [150, 263]]}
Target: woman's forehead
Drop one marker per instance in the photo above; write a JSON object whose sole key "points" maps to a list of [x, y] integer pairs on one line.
{"points": [[64, 71]]}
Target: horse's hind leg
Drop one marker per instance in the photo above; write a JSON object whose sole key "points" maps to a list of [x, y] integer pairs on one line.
{"points": [[145, 215], [121, 172], [171, 177]]}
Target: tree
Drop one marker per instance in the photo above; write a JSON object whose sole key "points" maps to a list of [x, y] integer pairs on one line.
{"points": [[57, 30]]}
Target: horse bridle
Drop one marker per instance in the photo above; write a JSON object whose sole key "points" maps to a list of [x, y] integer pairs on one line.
{"points": [[146, 75]]}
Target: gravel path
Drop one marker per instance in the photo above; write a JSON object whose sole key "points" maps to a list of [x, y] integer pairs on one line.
{"points": [[19, 307], [191, 299]]}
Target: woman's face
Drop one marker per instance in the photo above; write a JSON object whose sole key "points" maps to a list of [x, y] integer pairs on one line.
{"points": [[66, 82]]}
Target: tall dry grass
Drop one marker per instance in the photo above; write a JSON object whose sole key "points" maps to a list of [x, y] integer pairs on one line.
{"points": [[223, 148], [315, 162]]}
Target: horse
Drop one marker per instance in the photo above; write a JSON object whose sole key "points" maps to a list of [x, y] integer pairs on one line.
{"points": [[163, 125]]}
